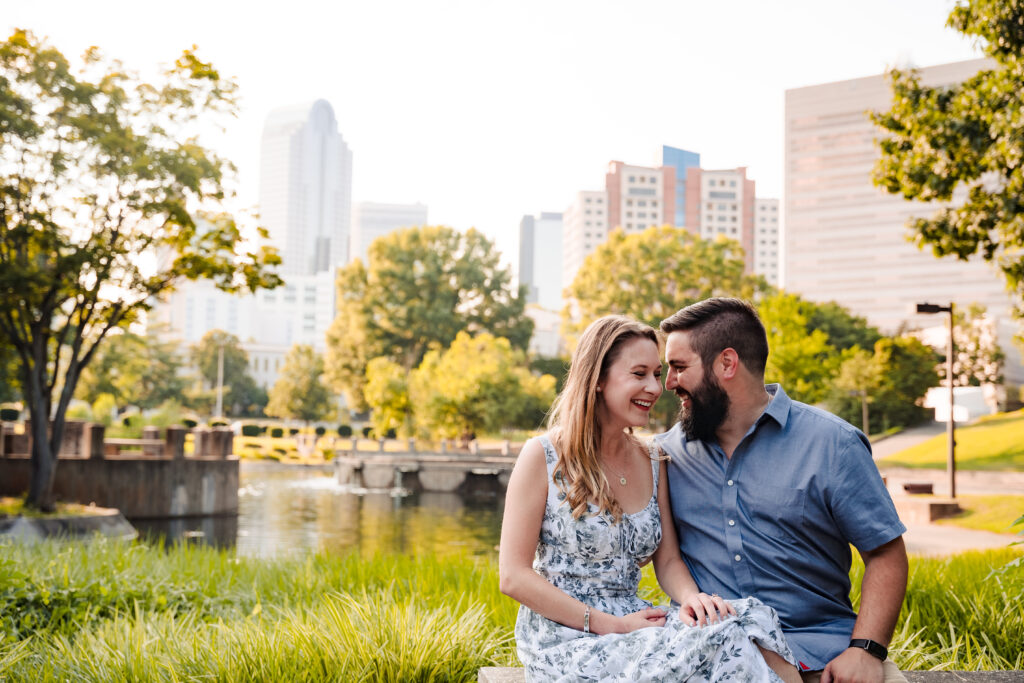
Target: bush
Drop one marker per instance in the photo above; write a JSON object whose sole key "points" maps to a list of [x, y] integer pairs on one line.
{"points": [[293, 431], [218, 423], [263, 429], [277, 432], [344, 431], [320, 431], [250, 430], [390, 434], [190, 423], [367, 431], [9, 415]]}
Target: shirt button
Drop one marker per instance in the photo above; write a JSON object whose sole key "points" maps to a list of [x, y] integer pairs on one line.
{"points": [[732, 522], [729, 482], [737, 558]]}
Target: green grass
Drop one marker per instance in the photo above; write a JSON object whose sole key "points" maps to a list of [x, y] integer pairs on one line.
{"points": [[16, 506], [995, 442], [987, 513], [129, 612]]}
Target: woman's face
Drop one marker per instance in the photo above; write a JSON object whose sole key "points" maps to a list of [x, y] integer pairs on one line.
{"points": [[631, 385]]}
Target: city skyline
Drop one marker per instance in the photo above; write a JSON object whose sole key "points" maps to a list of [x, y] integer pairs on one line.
{"points": [[446, 103]]}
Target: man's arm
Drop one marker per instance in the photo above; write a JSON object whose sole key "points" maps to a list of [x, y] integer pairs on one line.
{"points": [[881, 596]]}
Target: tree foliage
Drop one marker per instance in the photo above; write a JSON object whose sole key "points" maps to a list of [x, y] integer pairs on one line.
{"points": [[977, 357], [136, 370], [858, 381], [418, 290], [300, 392], [479, 384], [966, 136], [652, 274], [242, 396], [801, 360], [99, 169], [844, 329], [387, 394]]}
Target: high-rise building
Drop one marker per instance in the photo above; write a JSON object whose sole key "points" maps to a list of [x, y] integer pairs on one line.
{"points": [[682, 161], [371, 220], [845, 240], [721, 202], [306, 188], [766, 239], [640, 196], [540, 259], [584, 226]]}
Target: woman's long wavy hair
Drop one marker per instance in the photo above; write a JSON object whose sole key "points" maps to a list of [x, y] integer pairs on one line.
{"points": [[573, 420]]}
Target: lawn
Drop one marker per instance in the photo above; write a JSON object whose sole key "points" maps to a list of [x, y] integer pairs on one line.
{"points": [[988, 513], [995, 442]]}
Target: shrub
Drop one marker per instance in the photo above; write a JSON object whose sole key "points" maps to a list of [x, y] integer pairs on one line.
{"points": [[344, 431], [263, 429], [277, 432], [320, 431], [218, 423], [8, 415], [293, 431], [250, 430], [190, 423], [390, 434], [367, 431]]}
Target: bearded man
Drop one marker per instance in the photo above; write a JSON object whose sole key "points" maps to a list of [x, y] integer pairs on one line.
{"points": [[768, 494]]}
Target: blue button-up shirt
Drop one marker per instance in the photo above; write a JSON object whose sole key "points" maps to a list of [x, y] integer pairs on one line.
{"points": [[776, 520]]}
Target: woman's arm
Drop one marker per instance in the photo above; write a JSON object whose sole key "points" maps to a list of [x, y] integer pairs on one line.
{"points": [[673, 574], [525, 500]]}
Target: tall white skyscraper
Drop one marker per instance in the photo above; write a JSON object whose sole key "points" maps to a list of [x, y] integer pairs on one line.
{"points": [[371, 220], [540, 259], [766, 239], [584, 226], [845, 240], [306, 188]]}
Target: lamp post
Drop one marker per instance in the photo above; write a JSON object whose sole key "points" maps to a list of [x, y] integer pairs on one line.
{"points": [[219, 409], [951, 425]]}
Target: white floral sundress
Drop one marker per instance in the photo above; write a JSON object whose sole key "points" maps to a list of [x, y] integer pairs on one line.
{"points": [[596, 562]]}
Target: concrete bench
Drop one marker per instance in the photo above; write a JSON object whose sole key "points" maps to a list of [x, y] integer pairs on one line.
{"points": [[510, 674]]}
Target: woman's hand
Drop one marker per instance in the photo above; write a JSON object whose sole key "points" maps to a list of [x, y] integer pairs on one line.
{"points": [[700, 608], [645, 618]]}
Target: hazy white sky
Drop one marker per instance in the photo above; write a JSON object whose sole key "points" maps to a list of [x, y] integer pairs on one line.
{"points": [[487, 111]]}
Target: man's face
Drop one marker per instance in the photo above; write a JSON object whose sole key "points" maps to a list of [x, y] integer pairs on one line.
{"points": [[704, 404]]}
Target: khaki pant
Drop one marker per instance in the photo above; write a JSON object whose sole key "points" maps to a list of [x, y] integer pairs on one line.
{"points": [[892, 674]]}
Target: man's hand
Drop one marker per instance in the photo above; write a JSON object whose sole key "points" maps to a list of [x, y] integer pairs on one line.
{"points": [[854, 665]]}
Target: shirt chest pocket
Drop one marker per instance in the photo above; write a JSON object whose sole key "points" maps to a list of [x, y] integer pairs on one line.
{"points": [[776, 512]]}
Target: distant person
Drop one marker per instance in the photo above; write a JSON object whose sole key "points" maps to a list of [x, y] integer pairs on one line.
{"points": [[768, 494], [583, 509]]}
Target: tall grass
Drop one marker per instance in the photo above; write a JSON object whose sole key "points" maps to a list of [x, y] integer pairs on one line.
{"points": [[130, 612]]}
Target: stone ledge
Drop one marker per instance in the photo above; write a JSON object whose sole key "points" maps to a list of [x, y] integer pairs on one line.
{"points": [[510, 674], [103, 521], [924, 509]]}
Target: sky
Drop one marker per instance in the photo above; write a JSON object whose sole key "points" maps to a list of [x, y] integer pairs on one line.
{"points": [[487, 111]]}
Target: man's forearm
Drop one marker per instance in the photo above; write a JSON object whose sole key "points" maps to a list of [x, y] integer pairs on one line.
{"points": [[882, 591]]}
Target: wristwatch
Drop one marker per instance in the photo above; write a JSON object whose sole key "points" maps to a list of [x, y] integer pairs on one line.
{"points": [[874, 649]]}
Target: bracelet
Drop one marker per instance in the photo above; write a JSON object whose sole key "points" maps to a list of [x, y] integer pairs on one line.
{"points": [[586, 620], [874, 649]]}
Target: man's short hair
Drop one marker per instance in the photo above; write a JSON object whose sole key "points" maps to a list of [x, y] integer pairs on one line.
{"points": [[720, 323]]}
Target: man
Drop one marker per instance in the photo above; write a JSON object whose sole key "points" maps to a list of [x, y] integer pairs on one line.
{"points": [[768, 494]]}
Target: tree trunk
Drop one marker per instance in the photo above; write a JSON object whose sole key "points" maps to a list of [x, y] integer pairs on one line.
{"points": [[44, 459]]}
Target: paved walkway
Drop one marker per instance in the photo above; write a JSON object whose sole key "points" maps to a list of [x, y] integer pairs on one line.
{"points": [[936, 540], [891, 445]]}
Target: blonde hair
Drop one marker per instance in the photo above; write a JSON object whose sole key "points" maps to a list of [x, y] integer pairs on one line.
{"points": [[573, 417]]}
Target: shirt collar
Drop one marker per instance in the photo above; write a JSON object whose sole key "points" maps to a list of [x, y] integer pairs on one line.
{"points": [[780, 406]]}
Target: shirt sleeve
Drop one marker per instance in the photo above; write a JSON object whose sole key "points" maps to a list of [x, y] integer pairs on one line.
{"points": [[860, 503]]}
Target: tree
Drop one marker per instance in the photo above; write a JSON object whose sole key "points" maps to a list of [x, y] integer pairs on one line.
{"points": [[844, 329], [802, 361], [859, 379], [387, 394], [299, 392], [479, 384], [241, 394], [971, 136], [136, 370], [10, 390], [652, 274], [103, 183], [420, 287], [906, 367], [978, 358]]}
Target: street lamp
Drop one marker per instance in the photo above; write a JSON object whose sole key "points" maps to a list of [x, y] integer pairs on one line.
{"points": [[951, 426]]}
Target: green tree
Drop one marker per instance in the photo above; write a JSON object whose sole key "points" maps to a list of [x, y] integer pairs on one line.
{"points": [[801, 360], [971, 136], [907, 368], [10, 390], [387, 394], [241, 394], [102, 180], [844, 329], [978, 359], [300, 392], [858, 381], [479, 384], [420, 287], [652, 274], [136, 370]]}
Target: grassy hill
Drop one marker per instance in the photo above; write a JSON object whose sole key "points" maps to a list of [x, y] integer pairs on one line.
{"points": [[995, 442]]}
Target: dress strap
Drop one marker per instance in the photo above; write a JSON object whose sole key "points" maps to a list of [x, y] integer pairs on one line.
{"points": [[654, 452]]}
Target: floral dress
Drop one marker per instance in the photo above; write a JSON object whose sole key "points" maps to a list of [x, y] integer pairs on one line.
{"points": [[597, 562]]}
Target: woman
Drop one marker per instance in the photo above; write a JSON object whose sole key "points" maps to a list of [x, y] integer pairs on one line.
{"points": [[583, 510]]}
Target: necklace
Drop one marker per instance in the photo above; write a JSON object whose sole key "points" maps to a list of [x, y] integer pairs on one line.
{"points": [[622, 476]]}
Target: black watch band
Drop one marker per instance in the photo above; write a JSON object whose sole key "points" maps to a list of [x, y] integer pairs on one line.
{"points": [[874, 649]]}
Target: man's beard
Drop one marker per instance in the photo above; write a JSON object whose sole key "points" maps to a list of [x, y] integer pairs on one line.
{"points": [[709, 404]]}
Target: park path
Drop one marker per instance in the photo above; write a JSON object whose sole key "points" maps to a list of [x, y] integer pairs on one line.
{"points": [[941, 539]]}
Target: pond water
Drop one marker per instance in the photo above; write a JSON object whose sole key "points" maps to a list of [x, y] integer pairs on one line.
{"points": [[285, 510]]}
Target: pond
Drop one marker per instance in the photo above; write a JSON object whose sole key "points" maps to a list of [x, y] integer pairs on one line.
{"points": [[285, 510]]}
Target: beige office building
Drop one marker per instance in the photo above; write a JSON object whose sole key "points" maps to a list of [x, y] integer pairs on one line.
{"points": [[845, 240], [584, 226]]}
